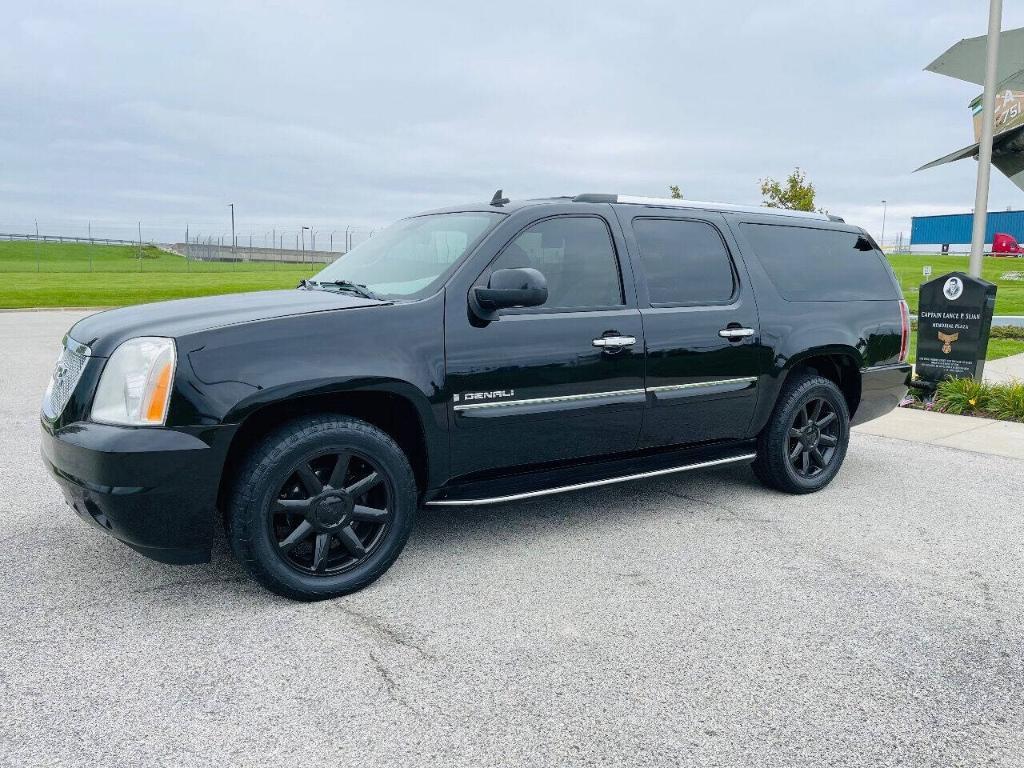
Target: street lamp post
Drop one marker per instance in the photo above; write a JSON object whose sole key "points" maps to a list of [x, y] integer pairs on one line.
{"points": [[988, 107], [303, 233], [883, 226], [232, 207]]}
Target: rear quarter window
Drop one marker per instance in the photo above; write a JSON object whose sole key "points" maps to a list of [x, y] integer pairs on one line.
{"points": [[813, 264]]}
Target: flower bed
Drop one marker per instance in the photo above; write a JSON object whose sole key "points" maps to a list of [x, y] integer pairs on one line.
{"points": [[970, 398]]}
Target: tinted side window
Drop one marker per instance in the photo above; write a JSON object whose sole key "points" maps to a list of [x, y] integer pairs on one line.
{"points": [[685, 262], [575, 255], [808, 264]]}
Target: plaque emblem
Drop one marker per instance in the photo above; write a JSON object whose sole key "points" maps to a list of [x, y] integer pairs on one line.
{"points": [[953, 288], [947, 340]]}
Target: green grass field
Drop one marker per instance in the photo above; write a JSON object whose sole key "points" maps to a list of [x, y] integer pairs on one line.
{"points": [[1009, 296], [83, 275]]}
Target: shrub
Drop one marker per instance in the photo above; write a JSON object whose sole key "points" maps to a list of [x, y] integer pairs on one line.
{"points": [[1007, 332], [1007, 401], [961, 396], [966, 396]]}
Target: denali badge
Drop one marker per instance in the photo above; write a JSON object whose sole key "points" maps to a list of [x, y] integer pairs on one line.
{"points": [[496, 394]]}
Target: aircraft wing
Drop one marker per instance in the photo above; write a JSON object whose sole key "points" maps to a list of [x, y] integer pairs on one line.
{"points": [[971, 150], [1011, 166], [966, 60]]}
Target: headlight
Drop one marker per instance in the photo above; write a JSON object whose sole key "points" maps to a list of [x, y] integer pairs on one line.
{"points": [[135, 386]]}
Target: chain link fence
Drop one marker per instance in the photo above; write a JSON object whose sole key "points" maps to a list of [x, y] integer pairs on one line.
{"points": [[298, 251]]}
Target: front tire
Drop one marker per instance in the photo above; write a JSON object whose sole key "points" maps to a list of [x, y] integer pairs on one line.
{"points": [[322, 507], [804, 443]]}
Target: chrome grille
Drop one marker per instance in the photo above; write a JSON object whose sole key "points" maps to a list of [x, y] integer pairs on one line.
{"points": [[65, 377]]}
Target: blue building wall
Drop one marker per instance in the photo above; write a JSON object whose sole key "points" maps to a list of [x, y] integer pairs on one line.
{"points": [[955, 228]]}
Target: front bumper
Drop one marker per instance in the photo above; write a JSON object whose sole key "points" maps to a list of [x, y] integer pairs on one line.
{"points": [[882, 387], [155, 489]]}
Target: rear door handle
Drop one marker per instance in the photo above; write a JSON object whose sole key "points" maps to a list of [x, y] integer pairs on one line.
{"points": [[736, 333], [615, 342]]}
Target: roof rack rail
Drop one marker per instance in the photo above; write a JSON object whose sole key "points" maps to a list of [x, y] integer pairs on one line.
{"points": [[672, 202]]}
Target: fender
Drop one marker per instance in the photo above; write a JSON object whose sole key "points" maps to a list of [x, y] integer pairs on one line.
{"points": [[227, 374], [856, 335]]}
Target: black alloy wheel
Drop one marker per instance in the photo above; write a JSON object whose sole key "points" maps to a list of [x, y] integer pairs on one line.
{"points": [[813, 437], [331, 513], [321, 506], [804, 443]]}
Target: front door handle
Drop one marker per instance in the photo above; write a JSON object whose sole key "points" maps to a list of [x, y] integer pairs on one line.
{"points": [[736, 333], [615, 342]]}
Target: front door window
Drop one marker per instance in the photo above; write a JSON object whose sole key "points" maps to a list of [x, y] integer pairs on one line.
{"points": [[576, 257]]}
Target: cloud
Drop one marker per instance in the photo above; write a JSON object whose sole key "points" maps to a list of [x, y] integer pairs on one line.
{"points": [[358, 113]]}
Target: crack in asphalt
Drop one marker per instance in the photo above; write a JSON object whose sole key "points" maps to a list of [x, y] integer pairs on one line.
{"points": [[718, 505], [385, 631], [389, 685], [382, 631]]}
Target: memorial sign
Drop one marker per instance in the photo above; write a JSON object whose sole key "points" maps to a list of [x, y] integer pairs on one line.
{"points": [[954, 318]]}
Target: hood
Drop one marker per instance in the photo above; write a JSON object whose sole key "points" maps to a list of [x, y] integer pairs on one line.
{"points": [[104, 331]]}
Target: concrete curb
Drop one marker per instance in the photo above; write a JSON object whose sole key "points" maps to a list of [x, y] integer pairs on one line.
{"points": [[55, 309], [967, 433]]}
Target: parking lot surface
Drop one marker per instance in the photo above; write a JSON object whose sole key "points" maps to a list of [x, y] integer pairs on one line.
{"points": [[688, 620]]}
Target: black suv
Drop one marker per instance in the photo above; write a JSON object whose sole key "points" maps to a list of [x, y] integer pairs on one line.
{"points": [[473, 355]]}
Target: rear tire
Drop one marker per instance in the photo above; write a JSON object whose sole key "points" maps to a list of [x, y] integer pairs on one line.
{"points": [[321, 507], [804, 443]]}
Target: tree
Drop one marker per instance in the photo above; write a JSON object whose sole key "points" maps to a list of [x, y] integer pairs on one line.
{"points": [[796, 194], [677, 193]]}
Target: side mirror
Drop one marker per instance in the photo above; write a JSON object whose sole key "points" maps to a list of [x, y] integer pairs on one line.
{"points": [[524, 287]]}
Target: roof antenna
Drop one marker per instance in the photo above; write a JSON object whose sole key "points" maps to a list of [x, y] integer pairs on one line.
{"points": [[498, 200]]}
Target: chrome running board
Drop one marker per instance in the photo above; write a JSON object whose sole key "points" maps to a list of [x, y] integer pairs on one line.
{"points": [[589, 484]]}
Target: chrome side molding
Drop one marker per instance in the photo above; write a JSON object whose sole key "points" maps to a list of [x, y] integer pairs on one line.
{"points": [[461, 407], [702, 384], [547, 400]]}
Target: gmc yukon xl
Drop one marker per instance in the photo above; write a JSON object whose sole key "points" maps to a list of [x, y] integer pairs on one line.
{"points": [[475, 355]]}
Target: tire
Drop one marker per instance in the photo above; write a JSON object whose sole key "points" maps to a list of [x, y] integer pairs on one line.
{"points": [[321, 507], [790, 462]]}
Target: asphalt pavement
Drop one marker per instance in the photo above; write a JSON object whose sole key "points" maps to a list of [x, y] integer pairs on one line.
{"points": [[695, 619]]}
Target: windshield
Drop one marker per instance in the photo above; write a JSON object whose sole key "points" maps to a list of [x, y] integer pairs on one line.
{"points": [[410, 258]]}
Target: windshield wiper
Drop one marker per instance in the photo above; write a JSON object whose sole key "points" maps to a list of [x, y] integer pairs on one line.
{"points": [[344, 285]]}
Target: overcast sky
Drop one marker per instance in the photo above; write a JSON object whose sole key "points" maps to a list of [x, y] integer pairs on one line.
{"points": [[333, 114]]}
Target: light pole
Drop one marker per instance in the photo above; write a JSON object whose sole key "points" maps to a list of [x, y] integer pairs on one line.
{"points": [[988, 107], [303, 231], [883, 226], [232, 207]]}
